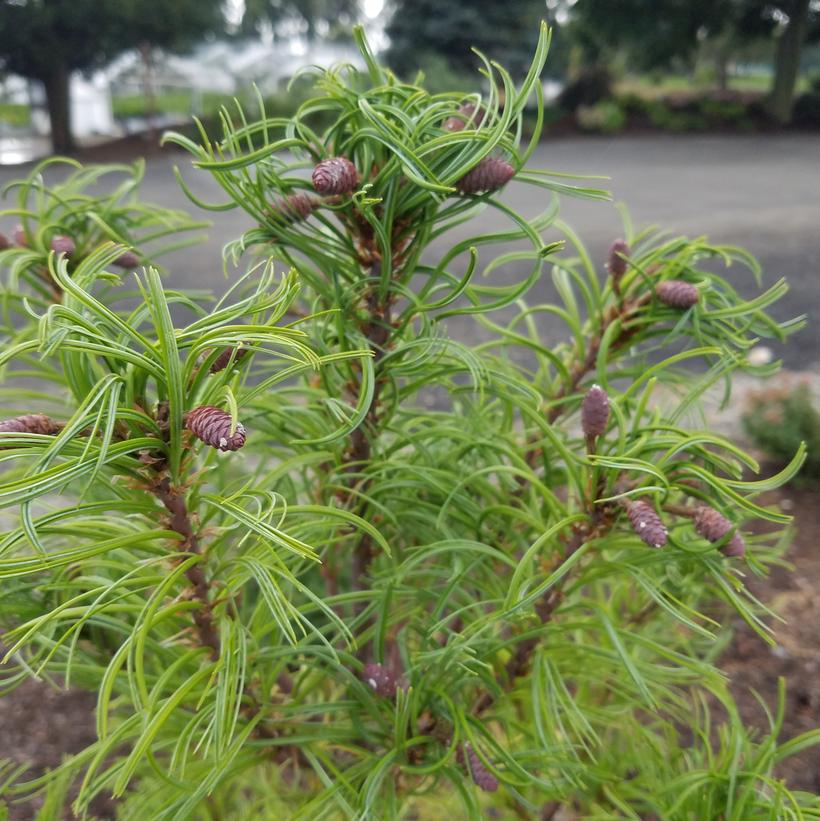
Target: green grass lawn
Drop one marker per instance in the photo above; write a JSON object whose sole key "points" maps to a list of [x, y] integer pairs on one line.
{"points": [[174, 102], [16, 114], [652, 88]]}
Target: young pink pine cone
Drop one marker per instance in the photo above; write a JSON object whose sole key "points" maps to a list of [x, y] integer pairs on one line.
{"points": [[489, 175], [646, 523], [713, 526], [595, 411], [213, 426], [468, 115], [617, 263], [221, 362], [677, 294], [475, 766], [127, 259], [19, 236], [62, 244], [4, 242], [336, 175], [296, 207], [30, 423]]}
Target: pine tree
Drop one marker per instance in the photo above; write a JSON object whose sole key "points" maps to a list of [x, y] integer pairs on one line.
{"points": [[366, 570]]}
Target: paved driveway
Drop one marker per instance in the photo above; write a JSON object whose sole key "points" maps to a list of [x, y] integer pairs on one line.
{"points": [[760, 192]]}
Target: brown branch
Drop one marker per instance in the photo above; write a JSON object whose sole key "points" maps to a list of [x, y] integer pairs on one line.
{"points": [[615, 313], [180, 522], [680, 510], [549, 811], [45, 275], [377, 329], [601, 520]]}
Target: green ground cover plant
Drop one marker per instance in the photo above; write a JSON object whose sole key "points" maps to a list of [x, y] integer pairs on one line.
{"points": [[318, 557]]}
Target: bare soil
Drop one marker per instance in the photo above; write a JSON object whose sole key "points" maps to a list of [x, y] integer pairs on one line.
{"points": [[753, 666]]}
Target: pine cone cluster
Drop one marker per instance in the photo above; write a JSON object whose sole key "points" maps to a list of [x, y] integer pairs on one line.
{"points": [[468, 114], [713, 526], [468, 758], [381, 678], [224, 358], [61, 244], [336, 175], [296, 207], [128, 259], [213, 427], [30, 423], [595, 412], [646, 523], [490, 174], [677, 294]]}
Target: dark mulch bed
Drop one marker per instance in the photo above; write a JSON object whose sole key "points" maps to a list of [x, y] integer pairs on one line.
{"points": [[752, 665], [39, 725]]}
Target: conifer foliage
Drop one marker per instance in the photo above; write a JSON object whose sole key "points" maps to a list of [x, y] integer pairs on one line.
{"points": [[319, 558]]}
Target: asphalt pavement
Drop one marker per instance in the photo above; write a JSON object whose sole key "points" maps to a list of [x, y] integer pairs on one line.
{"points": [[761, 192]]}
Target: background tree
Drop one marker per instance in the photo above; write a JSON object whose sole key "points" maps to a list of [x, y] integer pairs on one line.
{"points": [[150, 25], [421, 29], [271, 14], [47, 40], [652, 34], [801, 22], [656, 34]]}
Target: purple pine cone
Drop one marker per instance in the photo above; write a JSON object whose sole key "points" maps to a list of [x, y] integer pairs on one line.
{"points": [[677, 294], [19, 236], [61, 244], [127, 259], [646, 523], [30, 423], [213, 426], [381, 678], [336, 175], [475, 766], [221, 362], [617, 263], [595, 411], [4, 242], [468, 114], [713, 526], [489, 175], [296, 207]]}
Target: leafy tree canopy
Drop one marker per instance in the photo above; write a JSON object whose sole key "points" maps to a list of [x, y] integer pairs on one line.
{"points": [[37, 35], [48, 39], [657, 33], [260, 14], [505, 32]]}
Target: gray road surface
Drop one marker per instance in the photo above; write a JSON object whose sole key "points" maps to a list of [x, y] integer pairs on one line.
{"points": [[760, 192]]}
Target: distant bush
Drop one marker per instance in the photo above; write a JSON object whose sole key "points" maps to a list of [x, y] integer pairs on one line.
{"points": [[724, 112], [669, 117], [779, 419], [591, 86], [691, 114], [605, 117], [806, 111]]}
